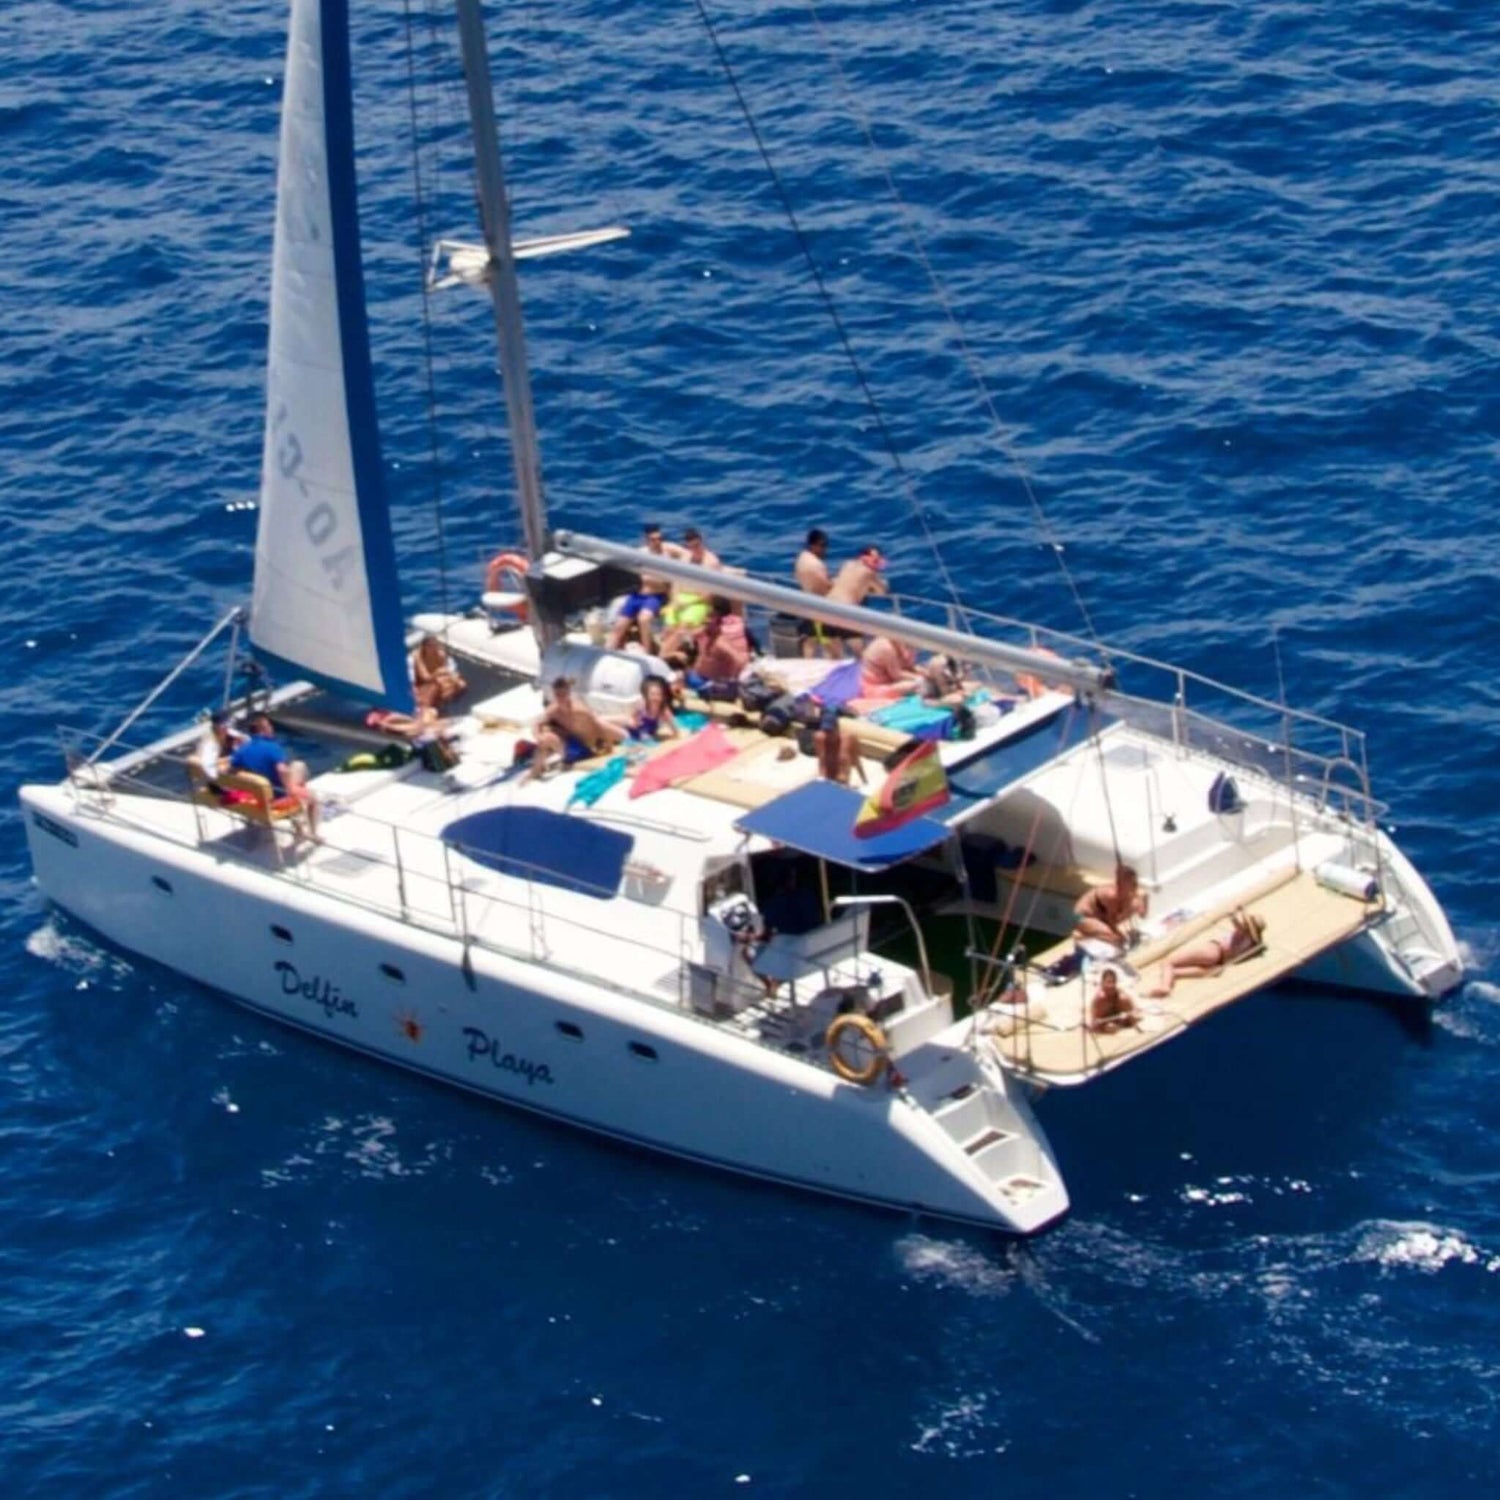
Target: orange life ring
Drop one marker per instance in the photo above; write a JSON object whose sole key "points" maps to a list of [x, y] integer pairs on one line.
{"points": [[500, 564], [864, 1037]]}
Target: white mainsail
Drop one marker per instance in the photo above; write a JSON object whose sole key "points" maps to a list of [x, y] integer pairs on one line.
{"points": [[326, 601]]}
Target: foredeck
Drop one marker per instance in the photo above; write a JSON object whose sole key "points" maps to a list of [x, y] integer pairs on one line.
{"points": [[1051, 1041]]}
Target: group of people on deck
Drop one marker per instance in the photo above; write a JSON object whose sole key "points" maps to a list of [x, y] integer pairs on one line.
{"points": [[224, 747], [1108, 914], [703, 637]]}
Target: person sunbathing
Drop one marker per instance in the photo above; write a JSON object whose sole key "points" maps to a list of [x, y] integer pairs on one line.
{"points": [[888, 669], [1111, 1008], [435, 680], [653, 718], [1208, 955], [568, 731]]}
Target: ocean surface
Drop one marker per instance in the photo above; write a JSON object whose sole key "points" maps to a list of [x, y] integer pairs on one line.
{"points": [[1230, 274]]}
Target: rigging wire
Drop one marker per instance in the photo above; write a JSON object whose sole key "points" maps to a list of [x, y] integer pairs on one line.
{"points": [[1043, 523], [829, 306], [1286, 745], [1109, 807], [423, 249]]}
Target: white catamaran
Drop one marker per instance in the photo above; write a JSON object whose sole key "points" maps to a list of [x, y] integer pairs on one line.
{"points": [[726, 969]]}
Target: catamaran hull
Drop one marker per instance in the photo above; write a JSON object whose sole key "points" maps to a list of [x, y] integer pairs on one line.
{"points": [[520, 1033]]}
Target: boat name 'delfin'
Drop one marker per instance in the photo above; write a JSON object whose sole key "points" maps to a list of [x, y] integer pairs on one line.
{"points": [[320, 992], [482, 1045]]}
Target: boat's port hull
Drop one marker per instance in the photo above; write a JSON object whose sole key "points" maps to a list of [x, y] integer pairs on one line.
{"points": [[524, 1034]]}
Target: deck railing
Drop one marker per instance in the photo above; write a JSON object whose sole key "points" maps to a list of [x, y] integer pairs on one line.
{"points": [[1314, 756], [437, 885]]}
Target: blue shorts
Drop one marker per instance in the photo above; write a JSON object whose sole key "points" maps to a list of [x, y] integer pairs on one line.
{"points": [[652, 604], [575, 749]]}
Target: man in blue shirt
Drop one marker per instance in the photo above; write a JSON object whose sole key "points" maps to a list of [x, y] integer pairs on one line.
{"points": [[263, 755]]}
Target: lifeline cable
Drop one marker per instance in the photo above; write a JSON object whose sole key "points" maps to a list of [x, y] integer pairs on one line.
{"points": [[1044, 525], [830, 308], [422, 251]]}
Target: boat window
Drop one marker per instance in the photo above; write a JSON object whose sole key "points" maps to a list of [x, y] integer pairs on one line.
{"points": [[569, 1030], [280, 933], [642, 1050], [392, 972], [162, 883]]}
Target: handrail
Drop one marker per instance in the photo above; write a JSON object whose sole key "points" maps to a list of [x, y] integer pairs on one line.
{"points": [[901, 604], [405, 908], [232, 618], [1116, 654]]}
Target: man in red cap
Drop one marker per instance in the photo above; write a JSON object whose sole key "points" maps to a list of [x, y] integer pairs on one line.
{"points": [[860, 577]]}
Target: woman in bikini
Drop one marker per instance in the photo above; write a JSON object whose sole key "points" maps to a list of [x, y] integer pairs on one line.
{"points": [[653, 718], [1243, 935], [434, 679]]}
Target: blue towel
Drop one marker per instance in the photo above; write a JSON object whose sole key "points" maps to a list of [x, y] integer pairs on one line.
{"points": [[924, 721], [593, 786]]}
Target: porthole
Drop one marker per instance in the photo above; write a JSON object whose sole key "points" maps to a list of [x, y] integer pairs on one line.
{"points": [[280, 933], [162, 884], [392, 973], [642, 1050], [569, 1030]]}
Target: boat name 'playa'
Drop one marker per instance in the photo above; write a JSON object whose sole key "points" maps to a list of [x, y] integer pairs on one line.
{"points": [[321, 992], [481, 1044]]}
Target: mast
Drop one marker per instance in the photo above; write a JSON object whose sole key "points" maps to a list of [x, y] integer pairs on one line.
{"points": [[494, 211]]}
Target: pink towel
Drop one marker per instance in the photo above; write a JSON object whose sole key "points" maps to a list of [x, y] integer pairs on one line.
{"points": [[708, 748]]}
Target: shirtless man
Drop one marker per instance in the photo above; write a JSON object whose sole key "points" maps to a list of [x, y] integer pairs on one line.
{"points": [[860, 577], [811, 571], [687, 608], [694, 550], [568, 731], [811, 566], [1111, 1008], [641, 608], [1107, 912]]}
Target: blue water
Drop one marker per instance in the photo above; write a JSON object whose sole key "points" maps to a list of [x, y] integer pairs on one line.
{"points": [[1229, 272]]}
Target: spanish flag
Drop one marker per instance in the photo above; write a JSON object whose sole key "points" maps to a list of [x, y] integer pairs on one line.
{"points": [[916, 785]]}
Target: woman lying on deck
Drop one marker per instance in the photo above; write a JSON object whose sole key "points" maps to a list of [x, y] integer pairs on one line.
{"points": [[1243, 935]]}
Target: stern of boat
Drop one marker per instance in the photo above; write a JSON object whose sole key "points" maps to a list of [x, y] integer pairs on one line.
{"points": [[1409, 950], [980, 1120]]}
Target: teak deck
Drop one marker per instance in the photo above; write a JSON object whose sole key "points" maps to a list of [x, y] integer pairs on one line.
{"points": [[1056, 1046]]}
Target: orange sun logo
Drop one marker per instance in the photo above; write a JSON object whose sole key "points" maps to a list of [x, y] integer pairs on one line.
{"points": [[409, 1026]]}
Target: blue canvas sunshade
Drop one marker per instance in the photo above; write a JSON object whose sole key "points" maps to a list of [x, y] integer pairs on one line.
{"points": [[976, 780], [553, 848], [818, 819]]}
